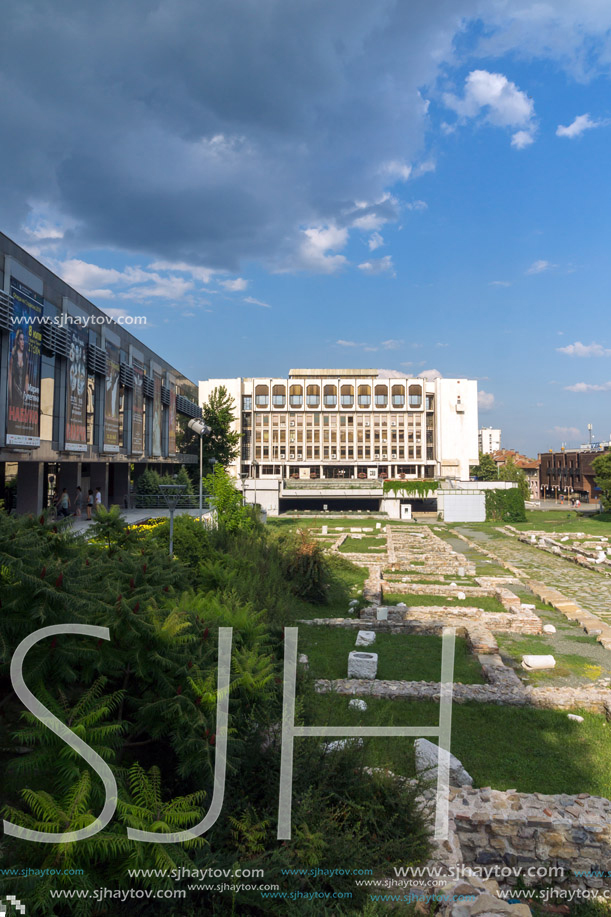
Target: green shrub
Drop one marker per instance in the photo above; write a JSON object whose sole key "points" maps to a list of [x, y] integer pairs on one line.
{"points": [[306, 568], [505, 506]]}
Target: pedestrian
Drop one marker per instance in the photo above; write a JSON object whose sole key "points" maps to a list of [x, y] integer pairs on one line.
{"points": [[98, 498], [63, 504], [89, 504], [78, 502]]}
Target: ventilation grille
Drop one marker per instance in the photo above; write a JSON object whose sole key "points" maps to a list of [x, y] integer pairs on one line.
{"points": [[126, 375], [165, 395], [187, 407], [148, 387], [96, 360], [55, 339], [6, 311]]}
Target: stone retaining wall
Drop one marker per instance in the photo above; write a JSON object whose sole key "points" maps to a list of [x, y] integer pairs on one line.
{"points": [[531, 829], [506, 691]]}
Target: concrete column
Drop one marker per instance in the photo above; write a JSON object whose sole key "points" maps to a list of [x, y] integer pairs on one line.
{"points": [[119, 485], [30, 481], [99, 478]]}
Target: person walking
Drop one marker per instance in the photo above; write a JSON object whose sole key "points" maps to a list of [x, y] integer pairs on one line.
{"points": [[98, 498], [89, 504], [63, 504], [78, 502]]}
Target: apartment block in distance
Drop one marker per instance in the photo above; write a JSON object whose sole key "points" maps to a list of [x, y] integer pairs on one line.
{"points": [[331, 438], [489, 440]]}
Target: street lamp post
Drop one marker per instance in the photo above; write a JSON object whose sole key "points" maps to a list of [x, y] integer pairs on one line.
{"points": [[255, 465], [171, 494], [202, 430]]}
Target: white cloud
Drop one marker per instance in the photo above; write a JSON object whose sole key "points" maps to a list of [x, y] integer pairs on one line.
{"points": [[578, 126], [341, 343], [566, 432], [391, 345], [375, 241], [588, 387], [538, 267], [499, 283], [499, 101], [430, 374], [318, 242], [585, 350], [256, 302], [485, 400], [378, 266], [234, 286], [397, 169], [521, 139], [417, 205]]}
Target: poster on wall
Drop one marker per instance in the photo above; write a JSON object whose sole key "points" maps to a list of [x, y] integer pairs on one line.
{"points": [[137, 410], [172, 421], [157, 415], [25, 339], [111, 401], [76, 392]]}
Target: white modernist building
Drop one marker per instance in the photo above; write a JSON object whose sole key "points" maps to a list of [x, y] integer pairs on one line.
{"points": [[332, 434], [489, 440]]}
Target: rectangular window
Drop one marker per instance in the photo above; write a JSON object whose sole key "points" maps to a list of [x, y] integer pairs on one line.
{"points": [[247, 403]]}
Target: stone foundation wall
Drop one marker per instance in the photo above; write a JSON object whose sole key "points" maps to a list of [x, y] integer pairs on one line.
{"points": [[534, 830]]}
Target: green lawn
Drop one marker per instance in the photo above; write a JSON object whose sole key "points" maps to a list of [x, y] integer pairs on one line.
{"points": [[401, 657], [363, 545], [566, 663], [560, 520], [485, 602], [533, 751]]}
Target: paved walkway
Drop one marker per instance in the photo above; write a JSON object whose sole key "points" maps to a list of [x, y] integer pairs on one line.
{"points": [[588, 589]]}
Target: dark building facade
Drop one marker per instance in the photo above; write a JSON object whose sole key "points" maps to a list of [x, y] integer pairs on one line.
{"points": [[569, 474], [82, 401]]}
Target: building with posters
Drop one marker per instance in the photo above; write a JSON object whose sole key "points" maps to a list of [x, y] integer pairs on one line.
{"points": [[352, 438], [82, 400]]}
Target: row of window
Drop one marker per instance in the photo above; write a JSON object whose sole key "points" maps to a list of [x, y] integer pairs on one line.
{"points": [[331, 397]]}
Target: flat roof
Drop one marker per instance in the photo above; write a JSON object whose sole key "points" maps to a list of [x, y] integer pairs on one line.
{"points": [[332, 372]]}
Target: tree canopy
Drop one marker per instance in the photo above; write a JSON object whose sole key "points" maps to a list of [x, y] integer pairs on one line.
{"points": [[602, 470], [222, 443]]}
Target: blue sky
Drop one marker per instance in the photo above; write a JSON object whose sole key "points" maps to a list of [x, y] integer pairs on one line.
{"points": [[385, 184]]}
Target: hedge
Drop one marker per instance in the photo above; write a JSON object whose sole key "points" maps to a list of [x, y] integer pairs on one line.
{"points": [[505, 506]]}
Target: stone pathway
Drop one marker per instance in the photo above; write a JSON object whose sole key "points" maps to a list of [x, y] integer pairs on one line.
{"points": [[587, 588]]}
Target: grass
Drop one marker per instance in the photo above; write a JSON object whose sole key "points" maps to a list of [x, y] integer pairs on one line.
{"points": [[531, 750], [347, 581], [485, 602], [401, 657], [363, 545], [566, 663], [560, 520]]}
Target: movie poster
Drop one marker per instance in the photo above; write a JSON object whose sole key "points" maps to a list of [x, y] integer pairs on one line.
{"points": [[157, 415], [111, 403], [137, 409], [23, 401], [76, 392], [172, 421]]}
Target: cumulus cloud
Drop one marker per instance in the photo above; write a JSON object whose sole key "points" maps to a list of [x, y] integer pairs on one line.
{"points": [[378, 266], [585, 350], [498, 101], [375, 241], [317, 244], [234, 286], [539, 267], [430, 374], [216, 159], [578, 126], [485, 400], [588, 387]]}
